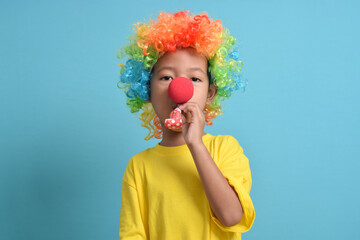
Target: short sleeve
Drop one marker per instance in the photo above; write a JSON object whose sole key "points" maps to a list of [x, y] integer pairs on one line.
{"points": [[234, 165], [131, 222]]}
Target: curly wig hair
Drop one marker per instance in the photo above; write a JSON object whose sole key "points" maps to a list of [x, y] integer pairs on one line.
{"points": [[165, 34]]}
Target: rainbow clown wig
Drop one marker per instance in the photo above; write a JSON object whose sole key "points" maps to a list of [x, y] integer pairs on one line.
{"points": [[169, 32]]}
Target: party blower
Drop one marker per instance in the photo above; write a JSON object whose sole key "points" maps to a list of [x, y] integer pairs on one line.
{"points": [[180, 91]]}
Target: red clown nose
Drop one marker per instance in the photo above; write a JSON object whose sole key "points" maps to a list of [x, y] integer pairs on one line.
{"points": [[181, 90]]}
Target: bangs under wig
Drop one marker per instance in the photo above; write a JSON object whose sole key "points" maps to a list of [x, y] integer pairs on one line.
{"points": [[169, 32]]}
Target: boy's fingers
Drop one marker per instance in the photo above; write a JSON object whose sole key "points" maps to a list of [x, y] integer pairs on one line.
{"points": [[187, 116], [189, 109], [187, 112]]}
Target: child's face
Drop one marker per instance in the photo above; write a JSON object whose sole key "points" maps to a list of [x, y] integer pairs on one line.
{"points": [[182, 63]]}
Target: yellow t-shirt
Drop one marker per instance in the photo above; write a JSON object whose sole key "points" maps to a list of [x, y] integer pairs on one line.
{"points": [[163, 197]]}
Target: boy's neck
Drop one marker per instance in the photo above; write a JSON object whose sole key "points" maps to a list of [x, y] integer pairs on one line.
{"points": [[173, 139]]}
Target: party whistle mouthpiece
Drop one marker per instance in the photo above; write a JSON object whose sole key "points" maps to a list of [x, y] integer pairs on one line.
{"points": [[175, 121]]}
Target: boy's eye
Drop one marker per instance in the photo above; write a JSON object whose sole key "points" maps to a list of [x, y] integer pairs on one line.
{"points": [[166, 78], [194, 79]]}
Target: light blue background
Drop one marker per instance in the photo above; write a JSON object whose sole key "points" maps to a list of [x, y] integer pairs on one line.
{"points": [[66, 134]]}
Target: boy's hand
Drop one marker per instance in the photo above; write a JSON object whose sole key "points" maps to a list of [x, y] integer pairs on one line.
{"points": [[193, 124]]}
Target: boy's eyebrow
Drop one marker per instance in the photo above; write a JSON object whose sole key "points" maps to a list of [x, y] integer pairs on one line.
{"points": [[165, 68], [197, 69], [172, 68]]}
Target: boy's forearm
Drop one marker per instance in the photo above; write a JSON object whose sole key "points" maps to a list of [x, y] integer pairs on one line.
{"points": [[222, 198]]}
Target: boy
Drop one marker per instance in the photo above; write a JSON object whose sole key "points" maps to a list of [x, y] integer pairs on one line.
{"points": [[191, 185]]}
